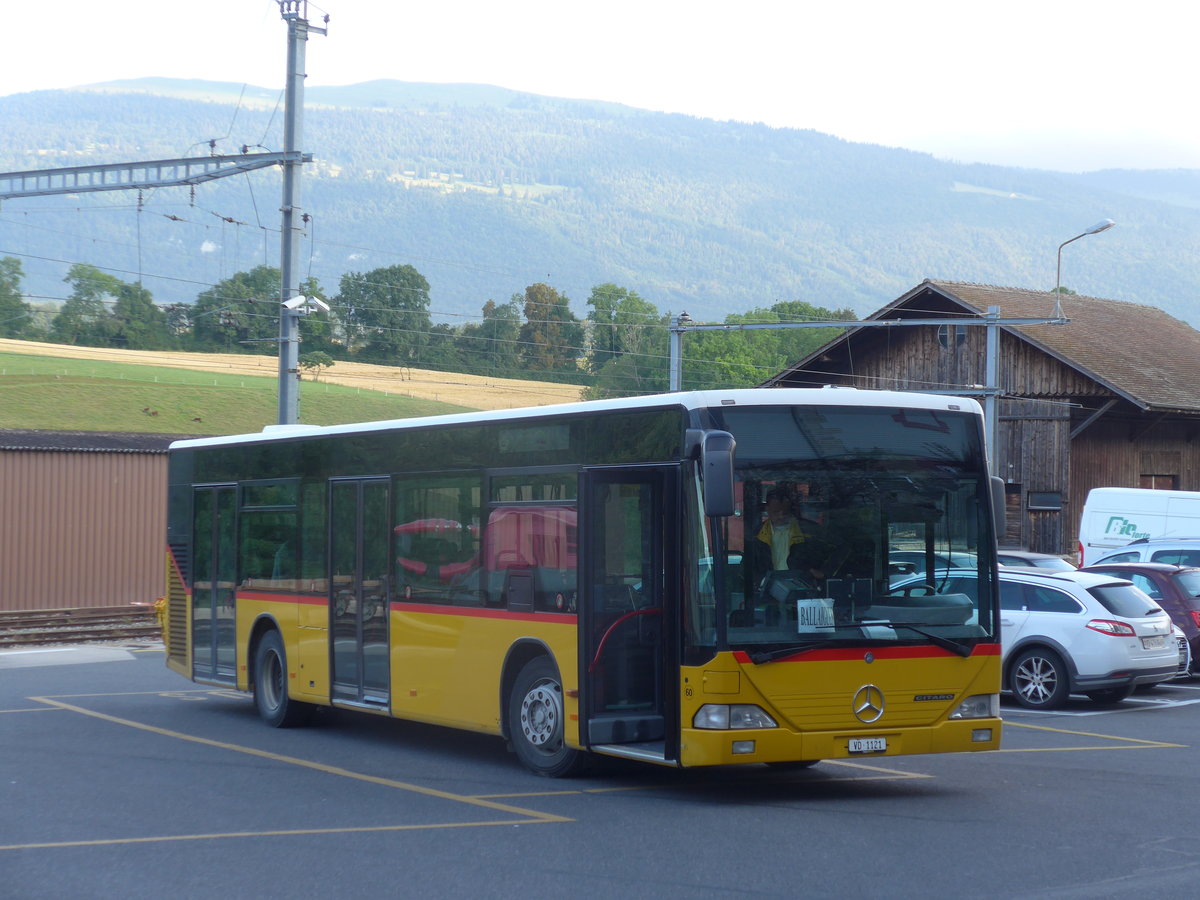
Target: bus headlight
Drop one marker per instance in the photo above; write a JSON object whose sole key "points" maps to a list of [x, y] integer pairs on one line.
{"points": [[979, 706], [736, 715]]}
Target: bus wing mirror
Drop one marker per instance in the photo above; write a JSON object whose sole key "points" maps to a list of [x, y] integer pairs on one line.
{"points": [[998, 506], [716, 463]]}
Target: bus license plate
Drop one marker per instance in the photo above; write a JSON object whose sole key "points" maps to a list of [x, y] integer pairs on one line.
{"points": [[868, 745], [1154, 643]]}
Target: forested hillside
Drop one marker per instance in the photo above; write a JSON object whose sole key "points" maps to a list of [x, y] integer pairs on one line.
{"points": [[486, 192]]}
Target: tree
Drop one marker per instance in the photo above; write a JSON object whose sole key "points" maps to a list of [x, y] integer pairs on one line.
{"points": [[385, 312], [552, 337], [239, 314], [620, 322], [84, 318], [137, 323], [740, 358], [314, 363], [628, 344], [492, 346], [14, 312]]}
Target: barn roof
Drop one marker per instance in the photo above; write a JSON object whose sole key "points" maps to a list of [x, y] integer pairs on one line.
{"points": [[1138, 352], [84, 441]]}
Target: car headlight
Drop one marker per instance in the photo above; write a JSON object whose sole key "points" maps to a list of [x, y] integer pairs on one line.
{"points": [[732, 715], [978, 706]]}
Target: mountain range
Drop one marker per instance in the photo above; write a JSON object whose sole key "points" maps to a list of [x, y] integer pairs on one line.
{"points": [[486, 190]]}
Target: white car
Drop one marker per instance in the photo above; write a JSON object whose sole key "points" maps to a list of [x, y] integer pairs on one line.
{"points": [[1072, 632], [1033, 560]]}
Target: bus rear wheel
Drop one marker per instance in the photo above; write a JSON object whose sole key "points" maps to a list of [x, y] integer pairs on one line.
{"points": [[271, 698], [536, 721]]}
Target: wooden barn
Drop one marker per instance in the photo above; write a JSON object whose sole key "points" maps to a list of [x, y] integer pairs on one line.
{"points": [[1111, 398]]}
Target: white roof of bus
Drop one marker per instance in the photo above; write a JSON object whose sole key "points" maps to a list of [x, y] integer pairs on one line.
{"points": [[826, 396]]}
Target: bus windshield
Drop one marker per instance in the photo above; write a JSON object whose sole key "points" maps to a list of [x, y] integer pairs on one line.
{"points": [[847, 521]]}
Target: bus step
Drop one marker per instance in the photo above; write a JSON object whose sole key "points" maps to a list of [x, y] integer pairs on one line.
{"points": [[651, 752]]}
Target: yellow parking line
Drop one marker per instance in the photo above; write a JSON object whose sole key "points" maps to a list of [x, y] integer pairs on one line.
{"points": [[286, 833], [532, 815], [1137, 743]]}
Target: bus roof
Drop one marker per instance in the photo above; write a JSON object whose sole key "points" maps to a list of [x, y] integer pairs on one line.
{"points": [[825, 396]]}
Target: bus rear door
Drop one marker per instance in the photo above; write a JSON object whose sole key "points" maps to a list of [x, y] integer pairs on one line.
{"points": [[358, 601]]}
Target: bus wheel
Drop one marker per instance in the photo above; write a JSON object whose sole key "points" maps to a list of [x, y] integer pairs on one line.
{"points": [[535, 721], [270, 685]]}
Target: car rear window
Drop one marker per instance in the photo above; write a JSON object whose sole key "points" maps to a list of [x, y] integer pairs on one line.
{"points": [[1125, 600], [1189, 582]]}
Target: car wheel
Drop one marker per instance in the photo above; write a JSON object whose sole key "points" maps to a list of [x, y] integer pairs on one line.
{"points": [[1038, 679], [1110, 695], [535, 721]]}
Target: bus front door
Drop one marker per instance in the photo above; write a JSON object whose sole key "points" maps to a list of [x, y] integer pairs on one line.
{"points": [[628, 612], [214, 573], [358, 594]]}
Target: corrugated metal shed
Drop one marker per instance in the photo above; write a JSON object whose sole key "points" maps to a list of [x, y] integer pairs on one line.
{"points": [[84, 518]]}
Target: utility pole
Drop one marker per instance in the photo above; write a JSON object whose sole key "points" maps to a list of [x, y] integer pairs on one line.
{"points": [[295, 13]]}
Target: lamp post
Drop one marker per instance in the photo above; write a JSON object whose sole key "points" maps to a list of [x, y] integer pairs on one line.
{"points": [[1103, 225]]}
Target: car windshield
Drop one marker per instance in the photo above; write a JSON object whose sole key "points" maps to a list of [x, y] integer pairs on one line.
{"points": [[834, 506]]}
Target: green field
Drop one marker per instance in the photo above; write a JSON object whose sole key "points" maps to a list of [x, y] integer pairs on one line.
{"points": [[61, 394]]}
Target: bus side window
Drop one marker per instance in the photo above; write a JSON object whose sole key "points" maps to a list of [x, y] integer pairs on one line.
{"points": [[530, 558]]}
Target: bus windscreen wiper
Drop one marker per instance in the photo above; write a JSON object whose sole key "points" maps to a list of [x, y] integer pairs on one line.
{"points": [[762, 656], [963, 650]]}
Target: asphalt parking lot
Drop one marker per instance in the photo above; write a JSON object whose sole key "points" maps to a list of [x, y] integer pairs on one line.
{"points": [[121, 779]]}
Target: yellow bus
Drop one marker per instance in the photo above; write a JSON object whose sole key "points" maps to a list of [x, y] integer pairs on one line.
{"points": [[690, 579]]}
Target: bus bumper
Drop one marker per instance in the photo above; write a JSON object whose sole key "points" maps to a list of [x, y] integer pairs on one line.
{"points": [[702, 747]]}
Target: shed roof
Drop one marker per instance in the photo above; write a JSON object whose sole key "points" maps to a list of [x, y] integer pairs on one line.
{"points": [[85, 441], [1139, 352]]}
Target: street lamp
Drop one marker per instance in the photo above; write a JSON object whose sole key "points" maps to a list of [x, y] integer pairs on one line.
{"points": [[1100, 226]]}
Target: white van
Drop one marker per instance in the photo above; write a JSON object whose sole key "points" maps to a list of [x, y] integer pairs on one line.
{"points": [[1112, 517]]}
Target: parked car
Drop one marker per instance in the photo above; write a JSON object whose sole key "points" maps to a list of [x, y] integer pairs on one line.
{"points": [[1175, 588], [1179, 551], [1072, 632], [903, 564], [1034, 560]]}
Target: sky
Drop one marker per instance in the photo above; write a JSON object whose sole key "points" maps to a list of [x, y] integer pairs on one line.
{"points": [[1051, 84]]}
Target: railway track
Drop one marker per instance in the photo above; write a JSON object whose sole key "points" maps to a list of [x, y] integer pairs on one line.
{"points": [[78, 626]]}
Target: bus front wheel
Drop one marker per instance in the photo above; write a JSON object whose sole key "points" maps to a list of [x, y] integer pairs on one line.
{"points": [[536, 721], [270, 685]]}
